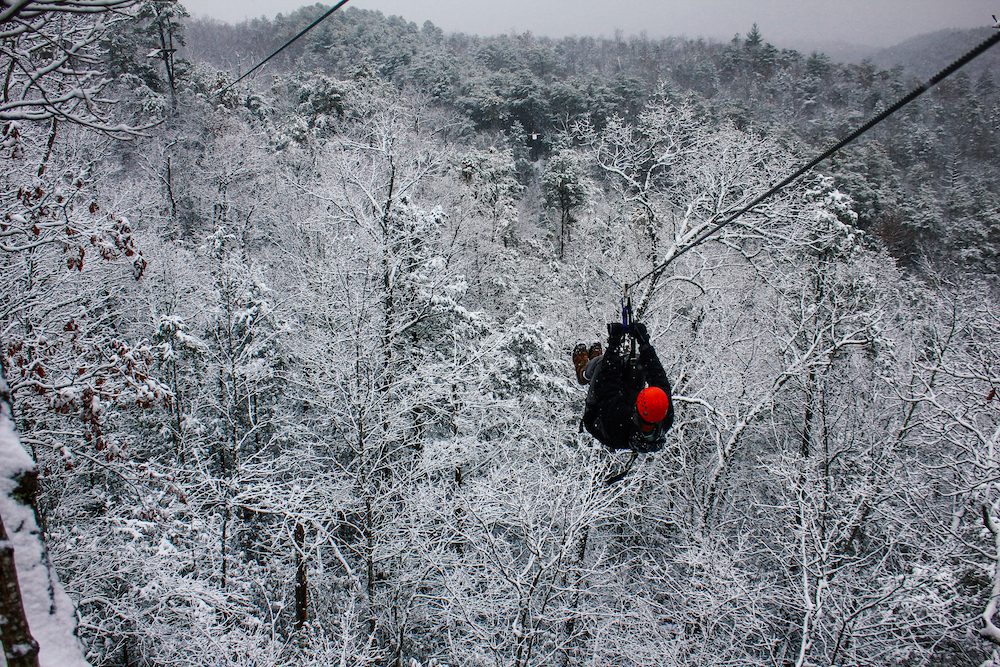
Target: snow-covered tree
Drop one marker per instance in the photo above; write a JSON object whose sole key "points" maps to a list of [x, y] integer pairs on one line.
{"points": [[565, 190]]}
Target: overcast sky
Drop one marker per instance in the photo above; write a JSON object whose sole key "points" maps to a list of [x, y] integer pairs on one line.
{"points": [[863, 22]]}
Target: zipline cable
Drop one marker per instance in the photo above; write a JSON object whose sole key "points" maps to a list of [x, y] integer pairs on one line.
{"points": [[914, 94], [287, 44]]}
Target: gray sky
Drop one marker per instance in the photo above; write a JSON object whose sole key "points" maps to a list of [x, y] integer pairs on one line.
{"points": [[863, 22]]}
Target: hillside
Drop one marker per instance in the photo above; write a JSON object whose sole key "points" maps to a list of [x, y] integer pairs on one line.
{"points": [[902, 176], [926, 55]]}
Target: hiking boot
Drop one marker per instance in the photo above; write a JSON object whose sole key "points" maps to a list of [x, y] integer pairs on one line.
{"points": [[580, 359], [595, 350]]}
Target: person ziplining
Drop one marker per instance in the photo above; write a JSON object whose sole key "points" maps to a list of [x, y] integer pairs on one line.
{"points": [[628, 404]]}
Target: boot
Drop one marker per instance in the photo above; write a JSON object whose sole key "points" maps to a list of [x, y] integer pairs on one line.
{"points": [[595, 350], [580, 359]]}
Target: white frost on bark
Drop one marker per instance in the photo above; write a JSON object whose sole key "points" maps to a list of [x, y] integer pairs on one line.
{"points": [[48, 609]]}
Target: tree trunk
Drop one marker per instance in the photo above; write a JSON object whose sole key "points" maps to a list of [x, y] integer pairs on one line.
{"points": [[562, 232], [301, 580], [19, 647], [569, 654]]}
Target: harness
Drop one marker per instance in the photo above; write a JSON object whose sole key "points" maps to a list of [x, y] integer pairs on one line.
{"points": [[627, 320], [632, 367]]}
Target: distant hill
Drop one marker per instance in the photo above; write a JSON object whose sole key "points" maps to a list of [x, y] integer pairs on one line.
{"points": [[841, 52], [926, 55]]}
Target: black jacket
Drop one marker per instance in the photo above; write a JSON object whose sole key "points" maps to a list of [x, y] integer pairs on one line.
{"points": [[610, 414]]}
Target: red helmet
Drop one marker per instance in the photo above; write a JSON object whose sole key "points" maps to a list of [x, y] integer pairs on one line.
{"points": [[652, 405]]}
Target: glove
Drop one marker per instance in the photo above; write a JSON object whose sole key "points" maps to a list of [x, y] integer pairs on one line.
{"points": [[615, 333], [640, 333]]}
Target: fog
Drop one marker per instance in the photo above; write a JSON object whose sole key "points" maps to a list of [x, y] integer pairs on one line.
{"points": [[861, 22]]}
